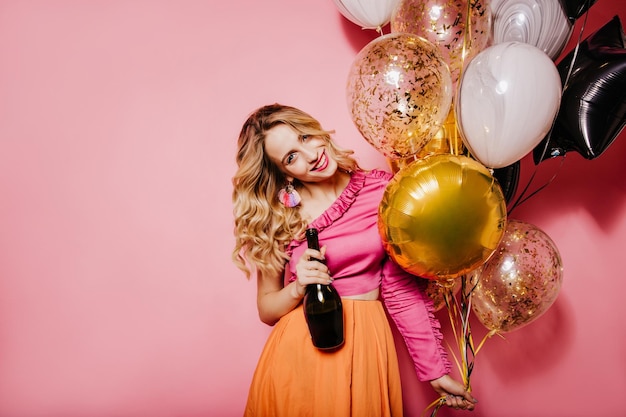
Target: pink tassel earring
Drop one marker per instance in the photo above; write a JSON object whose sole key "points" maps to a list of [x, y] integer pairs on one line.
{"points": [[289, 196]]}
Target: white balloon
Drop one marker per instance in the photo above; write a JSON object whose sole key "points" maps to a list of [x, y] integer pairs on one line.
{"points": [[541, 23], [494, 5], [369, 14], [507, 101]]}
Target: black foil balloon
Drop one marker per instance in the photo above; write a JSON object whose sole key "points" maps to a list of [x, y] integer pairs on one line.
{"points": [[508, 178], [592, 112], [575, 8]]}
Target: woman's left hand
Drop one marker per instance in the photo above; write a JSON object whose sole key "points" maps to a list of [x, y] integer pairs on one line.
{"points": [[455, 393]]}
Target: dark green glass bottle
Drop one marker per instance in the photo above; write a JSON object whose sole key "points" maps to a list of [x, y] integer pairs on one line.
{"points": [[323, 310]]}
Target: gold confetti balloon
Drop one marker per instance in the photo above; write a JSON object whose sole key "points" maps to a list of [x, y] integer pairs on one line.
{"points": [[436, 290], [445, 23], [520, 281], [442, 216], [447, 140], [399, 91]]}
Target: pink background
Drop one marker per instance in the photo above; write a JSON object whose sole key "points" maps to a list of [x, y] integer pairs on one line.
{"points": [[117, 138]]}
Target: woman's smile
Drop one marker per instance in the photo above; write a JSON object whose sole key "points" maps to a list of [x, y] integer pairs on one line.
{"points": [[321, 163]]}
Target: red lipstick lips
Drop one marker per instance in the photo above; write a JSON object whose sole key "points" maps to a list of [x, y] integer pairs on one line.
{"points": [[322, 162]]}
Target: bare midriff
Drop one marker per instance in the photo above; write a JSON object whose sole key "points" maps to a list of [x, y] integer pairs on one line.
{"points": [[368, 296]]}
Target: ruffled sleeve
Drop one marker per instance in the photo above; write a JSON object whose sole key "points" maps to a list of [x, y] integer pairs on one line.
{"points": [[413, 313]]}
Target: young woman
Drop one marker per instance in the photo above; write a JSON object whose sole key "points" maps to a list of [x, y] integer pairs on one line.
{"points": [[291, 176]]}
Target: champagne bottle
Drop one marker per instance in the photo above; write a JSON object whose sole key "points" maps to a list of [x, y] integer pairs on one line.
{"points": [[323, 310]]}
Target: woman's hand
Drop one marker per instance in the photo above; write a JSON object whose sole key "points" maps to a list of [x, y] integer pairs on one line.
{"points": [[455, 393], [311, 271]]}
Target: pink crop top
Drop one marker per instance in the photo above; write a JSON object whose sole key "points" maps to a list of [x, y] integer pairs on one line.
{"points": [[348, 228], [359, 263]]}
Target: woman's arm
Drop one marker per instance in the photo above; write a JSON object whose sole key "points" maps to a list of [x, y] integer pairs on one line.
{"points": [[412, 310]]}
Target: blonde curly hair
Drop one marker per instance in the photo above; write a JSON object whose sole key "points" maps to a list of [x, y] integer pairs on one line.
{"points": [[263, 226]]}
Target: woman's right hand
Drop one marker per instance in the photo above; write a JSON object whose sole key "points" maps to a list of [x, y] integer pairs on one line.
{"points": [[275, 300], [311, 271], [455, 394]]}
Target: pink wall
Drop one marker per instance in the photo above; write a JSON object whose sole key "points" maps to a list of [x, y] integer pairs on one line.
{"points": [[117, 294]]}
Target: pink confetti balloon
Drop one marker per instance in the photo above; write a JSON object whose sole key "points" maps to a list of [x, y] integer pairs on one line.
{"points": [[520, 281], [445, 23]]}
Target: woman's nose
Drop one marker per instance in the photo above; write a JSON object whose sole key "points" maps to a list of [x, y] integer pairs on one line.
{"points": [[310, 154]]}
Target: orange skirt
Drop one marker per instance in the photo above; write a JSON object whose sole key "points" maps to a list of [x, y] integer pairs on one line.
{"points": [[360, 379]]}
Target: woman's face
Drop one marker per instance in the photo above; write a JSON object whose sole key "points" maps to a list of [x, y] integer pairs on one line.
{"points": [[304, 158]]}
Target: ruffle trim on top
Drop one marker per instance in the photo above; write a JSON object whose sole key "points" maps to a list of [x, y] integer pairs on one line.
{"points": [[340, 206], [343, 202]]}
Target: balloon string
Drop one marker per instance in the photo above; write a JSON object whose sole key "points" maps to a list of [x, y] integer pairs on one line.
{"points": [[465, 47], [522, 198], [459, 314], [454, 143], [461, 309], [569, 73], [435, 405], [520, 201], [580, 36]]}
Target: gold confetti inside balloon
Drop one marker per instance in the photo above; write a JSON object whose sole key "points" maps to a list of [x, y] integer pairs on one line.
{"points": [[399, 91], [442, 216], [447, 140], [520, 281], [445, 24], [437, 288]]}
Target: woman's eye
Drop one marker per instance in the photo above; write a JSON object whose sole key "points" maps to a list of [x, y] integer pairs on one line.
{"points": [[290, 158], [304, 137]]}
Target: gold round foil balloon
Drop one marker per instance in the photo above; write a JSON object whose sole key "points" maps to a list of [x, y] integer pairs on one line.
{"points": [[442, 216], [520, 281], [399, 91], [445, 23]]}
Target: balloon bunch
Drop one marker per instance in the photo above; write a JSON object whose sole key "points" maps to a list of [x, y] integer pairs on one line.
{"points": [[454, 97]]}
